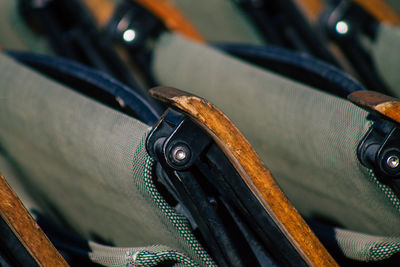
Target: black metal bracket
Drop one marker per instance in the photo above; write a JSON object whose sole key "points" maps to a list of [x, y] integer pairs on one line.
{"points": [[133, 25], [136, 29], [346, 20], [177, 141], [347, 23], [380, 150], [235, 227]]}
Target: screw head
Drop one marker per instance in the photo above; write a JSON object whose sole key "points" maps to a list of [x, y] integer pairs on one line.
{"points": [[393, 161], [179, 154], [342, 27]]}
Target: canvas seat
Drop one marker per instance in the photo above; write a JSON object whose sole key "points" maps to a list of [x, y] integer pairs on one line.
{"points": [[86, 165], [384, 55], [57, 187], [307, 137], [378, 235]]}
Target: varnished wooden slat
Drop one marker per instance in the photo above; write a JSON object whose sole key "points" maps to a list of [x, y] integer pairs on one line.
{"points": [[26, 229], [377, 103], [252, 170], [312, 9], [380, 10], [101, 10]]}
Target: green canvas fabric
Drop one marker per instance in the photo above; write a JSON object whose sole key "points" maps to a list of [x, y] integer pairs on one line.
{"points": [[306, 137], [143, 256], [219, 21], [354, 245], [8, 169], [385, 53], [15, 34], [363, 247], [85, 164], [395, 4]]}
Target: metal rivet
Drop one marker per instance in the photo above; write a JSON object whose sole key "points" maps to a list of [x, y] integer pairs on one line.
{"points": [[180, 154], [212, 202], [393, 161], [129, 35], [342, 27]]}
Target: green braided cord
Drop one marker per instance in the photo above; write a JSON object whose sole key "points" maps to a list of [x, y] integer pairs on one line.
{"points": [[384, 250], [147, 258], [178, 220], [386, 190]]}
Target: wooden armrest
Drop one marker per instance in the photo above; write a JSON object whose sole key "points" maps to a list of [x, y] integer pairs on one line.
{"points": [[252, 170], [24, 227], [380, 10], [311, 9], [378, 104]]}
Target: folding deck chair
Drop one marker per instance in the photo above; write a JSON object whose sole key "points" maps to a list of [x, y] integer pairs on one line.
{"points": [[83, 150]]}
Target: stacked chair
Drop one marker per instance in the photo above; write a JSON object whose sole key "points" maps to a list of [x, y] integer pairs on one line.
{"points": [[199, 133]]}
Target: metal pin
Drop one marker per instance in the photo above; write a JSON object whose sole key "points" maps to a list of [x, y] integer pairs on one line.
{"points": [[180, 154], [393, 161]]}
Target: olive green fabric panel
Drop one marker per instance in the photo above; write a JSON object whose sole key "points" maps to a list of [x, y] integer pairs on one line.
{"points": [[42, 125], [363, 247], [219, 21], [7, 169], [15, 34], [142, 256], [395, 4], [85, 164], [307, 138], [385, 52]]}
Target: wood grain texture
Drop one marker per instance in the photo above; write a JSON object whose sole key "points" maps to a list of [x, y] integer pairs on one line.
{"points": [[26, 229], [380, 10], [252, 170], [377, 103]]}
